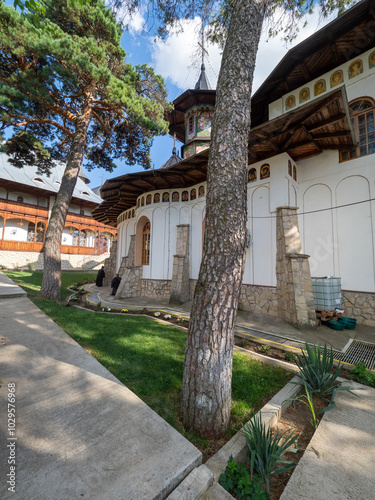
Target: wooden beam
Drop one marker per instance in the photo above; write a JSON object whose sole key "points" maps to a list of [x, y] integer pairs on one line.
{"points": [[324, 123], [330, 135]]}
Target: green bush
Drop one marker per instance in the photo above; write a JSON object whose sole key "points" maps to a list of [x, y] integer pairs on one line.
{"points": [[290, 356], [265, 348], [236, 479], [362, 375], [266, 449]]}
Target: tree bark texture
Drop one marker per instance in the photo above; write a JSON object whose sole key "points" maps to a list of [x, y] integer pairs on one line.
{"points": [[52, 253], [206, 390]]}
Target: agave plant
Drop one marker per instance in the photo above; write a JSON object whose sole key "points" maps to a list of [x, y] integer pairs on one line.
{"points": [[266, 449], [317, 372]]}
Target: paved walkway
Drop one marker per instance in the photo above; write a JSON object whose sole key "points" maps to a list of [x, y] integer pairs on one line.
{"points": [[79, 432]]}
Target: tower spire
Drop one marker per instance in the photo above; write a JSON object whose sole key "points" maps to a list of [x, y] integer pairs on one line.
{"points": [[202, 83]]}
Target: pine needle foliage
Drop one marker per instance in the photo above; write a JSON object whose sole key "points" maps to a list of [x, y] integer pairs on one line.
{"points": [[67, 94], [70, 65]]}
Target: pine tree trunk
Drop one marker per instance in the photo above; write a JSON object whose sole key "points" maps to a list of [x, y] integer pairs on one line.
{"points": [[206, 391], [51, 283]]}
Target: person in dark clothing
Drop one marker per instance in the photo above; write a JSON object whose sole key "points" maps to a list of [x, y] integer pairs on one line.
{"points": [[99, 277], [115, 284]]}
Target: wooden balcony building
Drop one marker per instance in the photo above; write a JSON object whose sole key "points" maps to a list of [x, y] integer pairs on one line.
{"points": [[26, 201]]}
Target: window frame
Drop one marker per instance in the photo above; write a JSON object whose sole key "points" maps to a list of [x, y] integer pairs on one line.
{"points": [[354, 153], [146, 240]]}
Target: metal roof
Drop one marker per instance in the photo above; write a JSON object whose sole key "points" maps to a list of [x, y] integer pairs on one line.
{"points": [[28, 176], [203, 83], [172, 159]]}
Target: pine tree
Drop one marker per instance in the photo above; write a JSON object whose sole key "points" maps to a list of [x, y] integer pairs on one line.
{"points": [[68, 95]]}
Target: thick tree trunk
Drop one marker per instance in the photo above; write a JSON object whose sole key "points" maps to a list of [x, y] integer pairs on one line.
{"points": [[206, 391], [52, 254]]}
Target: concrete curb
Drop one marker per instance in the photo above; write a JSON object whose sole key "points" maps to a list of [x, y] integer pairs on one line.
{"points": [[266, 359], [210, 472]]}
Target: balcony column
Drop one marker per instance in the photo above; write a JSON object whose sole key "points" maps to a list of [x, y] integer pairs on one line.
{"points": [[4, 221]]}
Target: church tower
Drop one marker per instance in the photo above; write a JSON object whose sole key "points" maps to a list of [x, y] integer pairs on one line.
{"points": [[191, 118]]}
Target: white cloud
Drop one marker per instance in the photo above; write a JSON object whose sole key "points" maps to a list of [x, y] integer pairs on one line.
{"points": [[178, 57], [135, 22]]}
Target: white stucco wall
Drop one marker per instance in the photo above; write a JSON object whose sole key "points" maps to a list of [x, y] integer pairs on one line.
{"points": [[164, 217], [340, 241], [27, 198]]}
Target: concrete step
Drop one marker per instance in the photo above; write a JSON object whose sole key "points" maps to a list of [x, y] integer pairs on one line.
{"points": [[8, 289]]}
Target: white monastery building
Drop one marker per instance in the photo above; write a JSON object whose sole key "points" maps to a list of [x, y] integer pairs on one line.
{"points": [[311, 185]]}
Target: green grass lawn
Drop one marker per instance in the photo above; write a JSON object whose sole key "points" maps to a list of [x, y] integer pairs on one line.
{"points": [[147, 356]]}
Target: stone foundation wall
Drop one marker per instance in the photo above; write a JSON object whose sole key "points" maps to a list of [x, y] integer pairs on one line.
{"points": [[359, 305], [15, 260], [259, 299], [192, 288], [253, 298], [156, 289]]}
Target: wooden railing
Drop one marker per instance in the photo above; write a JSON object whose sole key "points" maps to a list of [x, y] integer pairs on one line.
{"points": [[20, 246], [26, 246], [81, 250]]}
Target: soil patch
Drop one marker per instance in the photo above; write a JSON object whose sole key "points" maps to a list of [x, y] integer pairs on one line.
{"points": [[296, 420]]}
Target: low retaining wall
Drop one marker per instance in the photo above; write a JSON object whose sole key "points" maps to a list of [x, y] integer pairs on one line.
{"points": [[35, 260], [156, 289], [359, 305]]}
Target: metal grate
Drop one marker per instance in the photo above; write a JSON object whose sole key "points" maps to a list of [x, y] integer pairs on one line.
{"points": [[360, 351], [356, 352]]}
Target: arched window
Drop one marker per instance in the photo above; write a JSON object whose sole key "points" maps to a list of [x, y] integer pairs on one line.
{"points": [[76, 237], [30, 232], [362, 114], [40, 230], [82, 242], [146, 236]]}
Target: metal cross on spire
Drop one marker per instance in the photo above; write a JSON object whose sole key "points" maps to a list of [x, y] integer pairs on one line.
{"points": [[174, 151], [202, 83]]}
